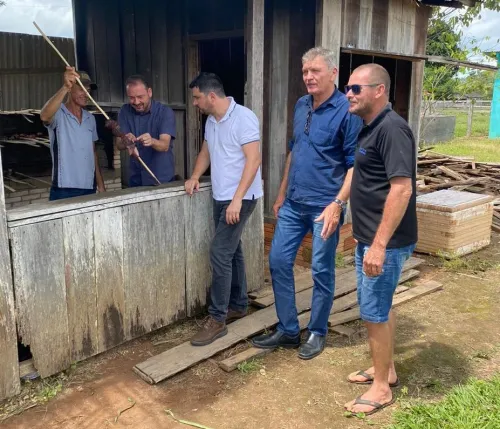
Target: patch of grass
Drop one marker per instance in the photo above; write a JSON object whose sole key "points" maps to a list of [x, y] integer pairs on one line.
{"points": [[480, 122], [473, 405], [473, 263], [250, 366], [50, 388], [481, 149], [339, 260]]}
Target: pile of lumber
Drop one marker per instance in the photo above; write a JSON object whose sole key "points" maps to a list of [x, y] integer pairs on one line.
{"points": [[34, 140], [345, 247], [183, 356], [437, 171]]}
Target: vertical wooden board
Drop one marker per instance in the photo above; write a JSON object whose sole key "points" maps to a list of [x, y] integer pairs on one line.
{"points": [[139, 266], [90, 55], [278, 120], [101, 76], [395, 26], [352, 12], [193, 142], [408, 37], [253, 247], [38, 265], [170, 260], [127, 33], [180, 143], [142, 39], [175, 75], [112, 322], [366, 12], [159, 51], [329, 27], [379, 25], [9, 367], [115, 69], [417, 82], [422, 15], [79, 269], [199, 232]]}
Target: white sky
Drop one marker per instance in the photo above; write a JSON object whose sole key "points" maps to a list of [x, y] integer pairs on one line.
{"points": [[56, 19]]}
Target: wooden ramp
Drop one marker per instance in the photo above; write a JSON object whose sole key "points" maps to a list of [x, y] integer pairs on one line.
{"points": [[177, 359]]}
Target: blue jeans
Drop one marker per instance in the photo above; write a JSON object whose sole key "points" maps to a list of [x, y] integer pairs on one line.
{"points": [[61, 193], [375, 293], [294, 222]]}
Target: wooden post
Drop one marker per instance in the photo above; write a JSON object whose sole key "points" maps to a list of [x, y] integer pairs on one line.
{"points": [[193, 142], [254, 95], [469, 116], [9, 364], [329, 26]]}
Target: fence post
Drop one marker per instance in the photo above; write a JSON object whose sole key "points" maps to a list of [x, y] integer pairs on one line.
{"points": [[469, 117]]}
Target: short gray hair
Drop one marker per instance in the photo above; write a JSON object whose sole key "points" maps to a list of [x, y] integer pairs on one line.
{"points": [[319, 51]]}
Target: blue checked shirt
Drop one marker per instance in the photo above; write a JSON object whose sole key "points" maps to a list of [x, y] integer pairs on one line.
{"points": [[321, 158]]}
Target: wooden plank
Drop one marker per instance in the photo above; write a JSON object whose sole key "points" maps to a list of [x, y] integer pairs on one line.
{"points": [[38, 267], [175, 75], [449, 172], [352, 12], [170, 257], [199, 233], [194, 137], [379, 26], [127, 20], [408, 275], [277, 146], [114, 53], [231, 363], [112, 324], [179, 358], [143, 40], [255, 59], [366, 11], [451, 201], [343, 330], [253, 247], [401, 289], [79, 269], [329, 28], [179, 144], [102, 76], [411, 294], [9, 369], [159, 49]]}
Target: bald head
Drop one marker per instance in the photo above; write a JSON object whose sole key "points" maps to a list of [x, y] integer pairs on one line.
{"points": [[376, 74]]}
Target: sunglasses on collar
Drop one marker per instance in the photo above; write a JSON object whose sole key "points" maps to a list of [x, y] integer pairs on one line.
{"points": [[356, 88]]}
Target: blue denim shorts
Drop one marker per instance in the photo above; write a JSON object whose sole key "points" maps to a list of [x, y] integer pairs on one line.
{"points": [[375, 293]]}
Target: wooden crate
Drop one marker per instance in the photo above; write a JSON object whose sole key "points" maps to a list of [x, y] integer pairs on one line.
{"points": [[453, 223], [345, 247]]}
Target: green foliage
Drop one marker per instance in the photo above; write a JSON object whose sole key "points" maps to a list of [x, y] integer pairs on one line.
{"points": [[478, 82]]}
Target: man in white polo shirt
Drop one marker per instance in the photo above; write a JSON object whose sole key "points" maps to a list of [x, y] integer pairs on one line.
{"points": [[232, 148]]}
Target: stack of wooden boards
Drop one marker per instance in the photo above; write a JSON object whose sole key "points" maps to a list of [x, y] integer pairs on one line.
{"points": [[345, 247], [437, 171], [177, 359]]}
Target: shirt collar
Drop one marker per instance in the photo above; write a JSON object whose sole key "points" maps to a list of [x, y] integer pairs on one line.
{"points": [[232, 105], [332, 100], [85, 113], [152, 108], [380, 116]]}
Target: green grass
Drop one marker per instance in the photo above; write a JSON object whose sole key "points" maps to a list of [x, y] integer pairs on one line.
{"points": [[480, 123], [473, 405], [250, 366]]}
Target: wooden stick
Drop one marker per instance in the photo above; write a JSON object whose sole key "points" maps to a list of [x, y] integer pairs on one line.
{"points": [[89, 96]]}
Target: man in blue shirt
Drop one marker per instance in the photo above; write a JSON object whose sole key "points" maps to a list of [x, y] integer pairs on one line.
{"points": [[312, 197], [72, 132], [152, 126]]}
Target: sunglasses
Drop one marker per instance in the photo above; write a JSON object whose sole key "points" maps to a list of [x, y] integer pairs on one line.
{"points": [[356, 89]]}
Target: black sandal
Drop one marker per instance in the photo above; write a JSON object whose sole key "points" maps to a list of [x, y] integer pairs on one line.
{"points": [[376, 406], [369, 379]]}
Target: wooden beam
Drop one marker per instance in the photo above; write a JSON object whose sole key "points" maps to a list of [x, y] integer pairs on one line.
{"points": [[255, 60], [329, 26], [9, 366], [231, 363]]}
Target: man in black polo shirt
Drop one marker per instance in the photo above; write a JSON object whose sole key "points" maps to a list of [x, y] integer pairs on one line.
{"points": [[383, 202]]}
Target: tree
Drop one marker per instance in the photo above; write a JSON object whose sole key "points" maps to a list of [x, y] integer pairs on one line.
{"points": [[478, 82]]}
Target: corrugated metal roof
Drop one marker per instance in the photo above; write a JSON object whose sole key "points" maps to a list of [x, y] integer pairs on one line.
{"points": [[30, 71]]}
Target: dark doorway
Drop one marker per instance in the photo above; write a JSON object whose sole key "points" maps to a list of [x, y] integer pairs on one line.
{"points": [[399, 71], [225, 58]]}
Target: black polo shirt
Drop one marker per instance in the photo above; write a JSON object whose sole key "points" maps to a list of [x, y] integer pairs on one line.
{"points": [[386, 149]]}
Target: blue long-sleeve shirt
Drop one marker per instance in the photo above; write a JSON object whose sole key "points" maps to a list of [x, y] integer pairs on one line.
{"points": [[323, 148]]}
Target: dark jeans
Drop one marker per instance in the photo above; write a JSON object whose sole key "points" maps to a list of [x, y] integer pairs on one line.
{"points": [[61, 193], [229, 283]]}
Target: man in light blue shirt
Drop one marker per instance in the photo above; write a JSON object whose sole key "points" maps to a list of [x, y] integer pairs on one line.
{"points": [[232, 149], [72, 133]]}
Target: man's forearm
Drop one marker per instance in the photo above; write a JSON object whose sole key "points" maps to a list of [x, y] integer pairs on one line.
{"points": [[52, 106], [394, 210], [247, 178], [202, 163], [284, 181], [345, 191], [161, 145]]}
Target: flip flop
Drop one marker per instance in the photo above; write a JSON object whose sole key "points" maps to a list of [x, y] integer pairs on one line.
{"points": [[376, 406], [369, 379]]}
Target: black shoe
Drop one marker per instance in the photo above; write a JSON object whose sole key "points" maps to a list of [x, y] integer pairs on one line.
{"points": [[312, 347], [275, 340]]}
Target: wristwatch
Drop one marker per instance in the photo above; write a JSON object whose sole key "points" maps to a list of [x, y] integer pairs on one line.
{"points": [[341, 203]]}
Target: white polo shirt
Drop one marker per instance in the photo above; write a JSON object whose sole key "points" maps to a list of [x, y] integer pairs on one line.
{"points": [[225, 139]]}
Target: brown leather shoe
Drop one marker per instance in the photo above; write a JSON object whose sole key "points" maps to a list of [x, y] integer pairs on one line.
{"points": [[233, 315], [209, 332]]}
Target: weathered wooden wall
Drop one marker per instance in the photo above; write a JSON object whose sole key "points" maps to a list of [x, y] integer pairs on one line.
{"points": [[91, 274], [9, 367], [30, 71]]}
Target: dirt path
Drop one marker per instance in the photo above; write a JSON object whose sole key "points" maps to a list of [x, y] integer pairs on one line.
{"points": [[442, 340]]}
